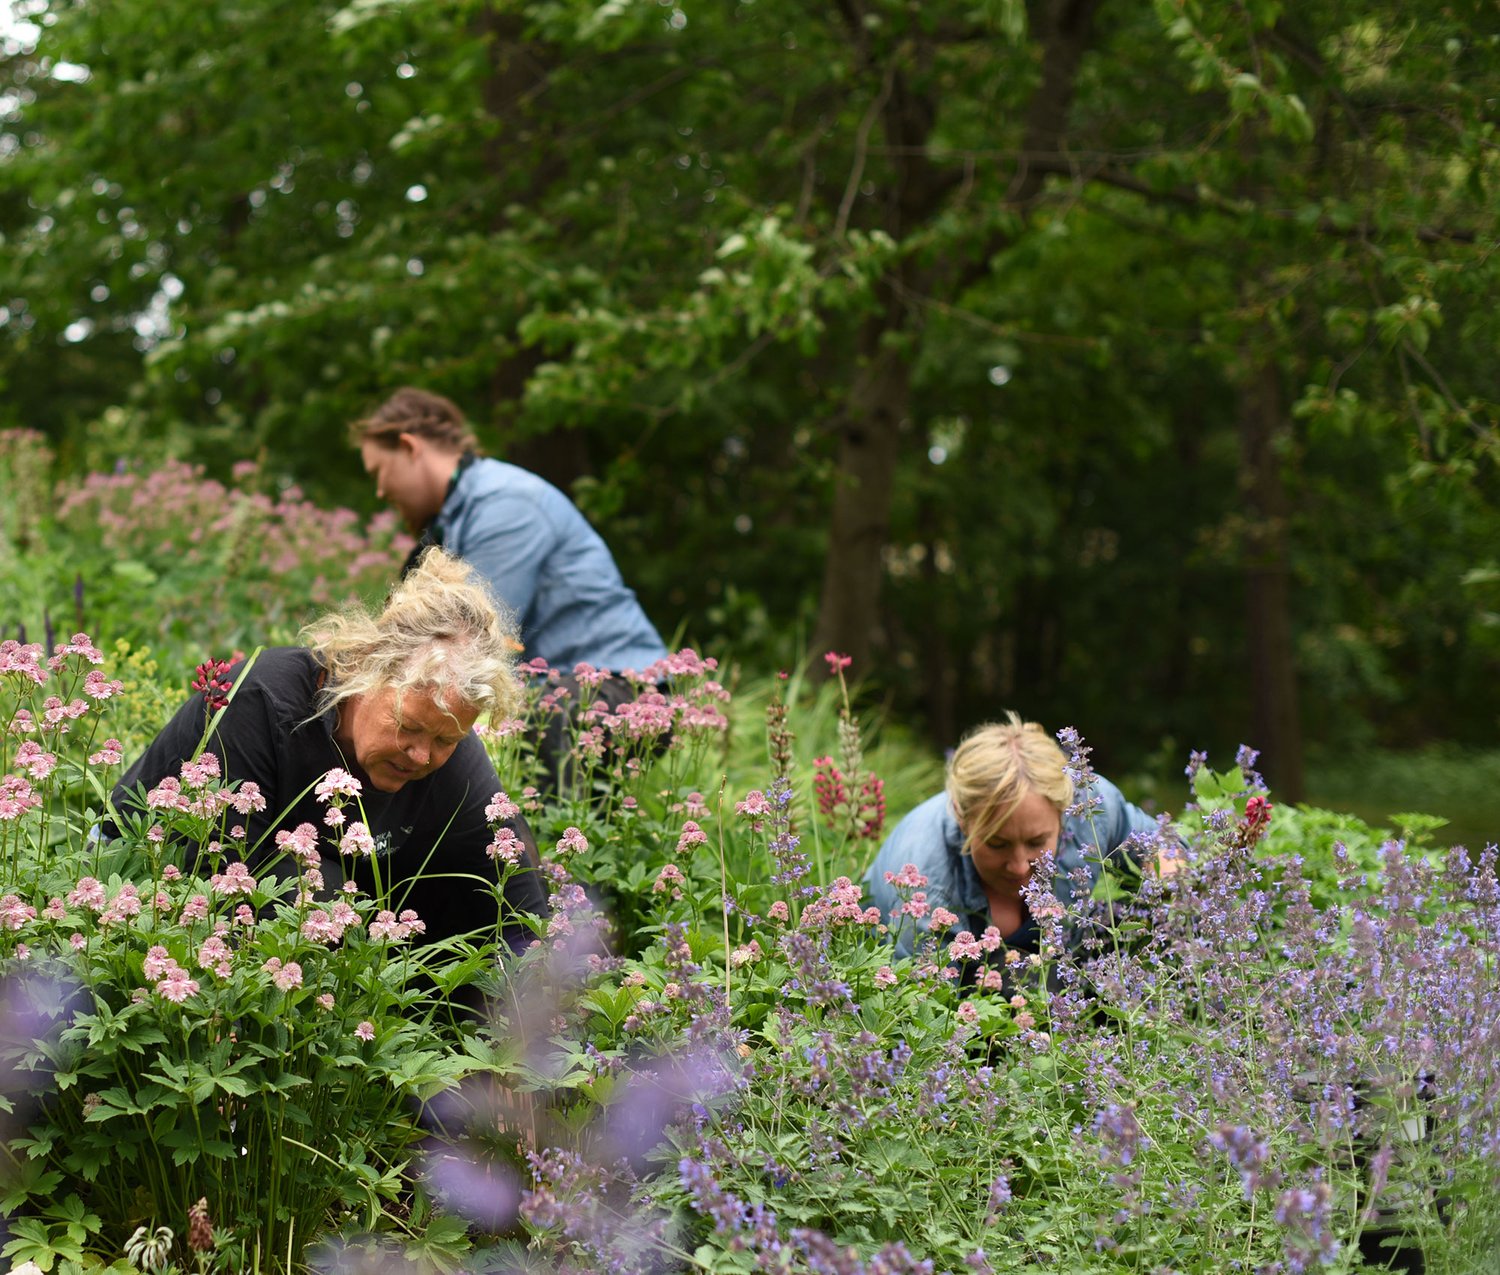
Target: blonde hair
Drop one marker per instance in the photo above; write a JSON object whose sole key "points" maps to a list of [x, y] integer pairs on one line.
{"points": [[440, 630], [993, 770]]}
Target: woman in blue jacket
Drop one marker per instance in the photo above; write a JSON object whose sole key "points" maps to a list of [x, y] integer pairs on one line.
{"points": [[1008, 801]]}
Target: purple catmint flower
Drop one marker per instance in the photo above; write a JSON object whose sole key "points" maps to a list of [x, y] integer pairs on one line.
{"points": [[1120, 1134]]}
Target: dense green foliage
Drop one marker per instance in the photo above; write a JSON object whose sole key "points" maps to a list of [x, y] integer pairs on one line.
{"points": [[1043, 349]]}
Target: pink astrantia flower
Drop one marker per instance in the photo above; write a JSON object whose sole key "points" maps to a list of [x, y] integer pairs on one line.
{"points": [[837, 663], [247, 799], [89, 893], [669, 878], [572, 842], [285, 976], [366, 1030], [200, 773], [235, 879], [337, 783], [506, 846], [942, 919], [325, 1000], [692, 835], [357, 840], [746, 954], [158, 961], [54, 910], [907, 879], [35, 761], [176, 986], [754, 807], [968, 1013], [15, 912], [299, 841], [501, 808], [965, 947], [195, 909], [97, 686], [778, 911], [112, 754], [16, 797], [885, 976]]}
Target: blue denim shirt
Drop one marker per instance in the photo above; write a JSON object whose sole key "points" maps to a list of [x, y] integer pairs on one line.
{"points": [[549, 566], [929, 837]]}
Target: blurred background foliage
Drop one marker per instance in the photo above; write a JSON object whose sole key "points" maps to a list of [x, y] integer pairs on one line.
{"points": [[1128, 364]]}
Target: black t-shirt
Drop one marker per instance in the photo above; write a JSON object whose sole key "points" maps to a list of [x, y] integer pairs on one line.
{"points": [[424, 833]]}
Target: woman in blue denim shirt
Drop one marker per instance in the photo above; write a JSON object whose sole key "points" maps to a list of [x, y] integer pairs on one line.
{"points": [[1005, 805]]}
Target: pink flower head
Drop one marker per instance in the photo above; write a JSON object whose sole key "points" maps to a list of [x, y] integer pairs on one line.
{"points": [[111, 754], [337, 783], [746, 954], [247, 798], [501, 808], [34, 760], [97, 686], [968, 1013], [506, 846], [907, 879], [200, 773], [195, 909], [17, 797], [837, 663], [301, 840], [325, 1000], [285, 976], [157, 962], [176, 986], [15, 912], [942, 919], [89, 893], [357, 840], [572, 842], [669, 878], [235, 879], [778, 911], [885, 976], [692, 835], [366, 1030]]}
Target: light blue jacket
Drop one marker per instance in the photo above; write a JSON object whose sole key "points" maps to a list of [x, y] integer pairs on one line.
{"points": [[929, 837], [549, 566]]}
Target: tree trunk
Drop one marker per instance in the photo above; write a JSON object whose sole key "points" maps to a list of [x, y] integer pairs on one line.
{"points": [[1275, 718], [880, 397]]}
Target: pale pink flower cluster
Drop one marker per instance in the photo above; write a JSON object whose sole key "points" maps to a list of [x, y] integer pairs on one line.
{"points": [[25, 660], [88, 893], [54, 910], [300, 842], [915, 907], [387, 927], [968, 1013], [942, 919], [97, 686], [692, 835], [246, 799], [35, 760], [214, 954], [285, 976], [111, 754], [17, 797], [572, 842], [357, 840], [885, 976], [670, 878], [684, 663], [965, 947], [325, 1000], [501, 808], [746, 954], [56, 714], [693, 805], [321, 926], [15, 912], [172, 981], [907, 879], [235, 879], [838, 906], [588, 675], [755, 807], [365, 1030], [79, 645], [195, 909], [506, 846], [125, 904], [337, 783], [778, 911]]}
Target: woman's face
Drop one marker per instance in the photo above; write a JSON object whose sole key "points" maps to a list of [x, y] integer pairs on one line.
{"points": [[393, 752], [409, 475], [1005, 860]]}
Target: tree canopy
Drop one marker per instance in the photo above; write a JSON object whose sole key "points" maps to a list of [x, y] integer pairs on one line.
{"points": [[1124, 363]]}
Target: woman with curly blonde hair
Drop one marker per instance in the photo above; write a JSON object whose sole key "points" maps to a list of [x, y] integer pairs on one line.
{"points": [[390, 699], [1006, 804]]}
